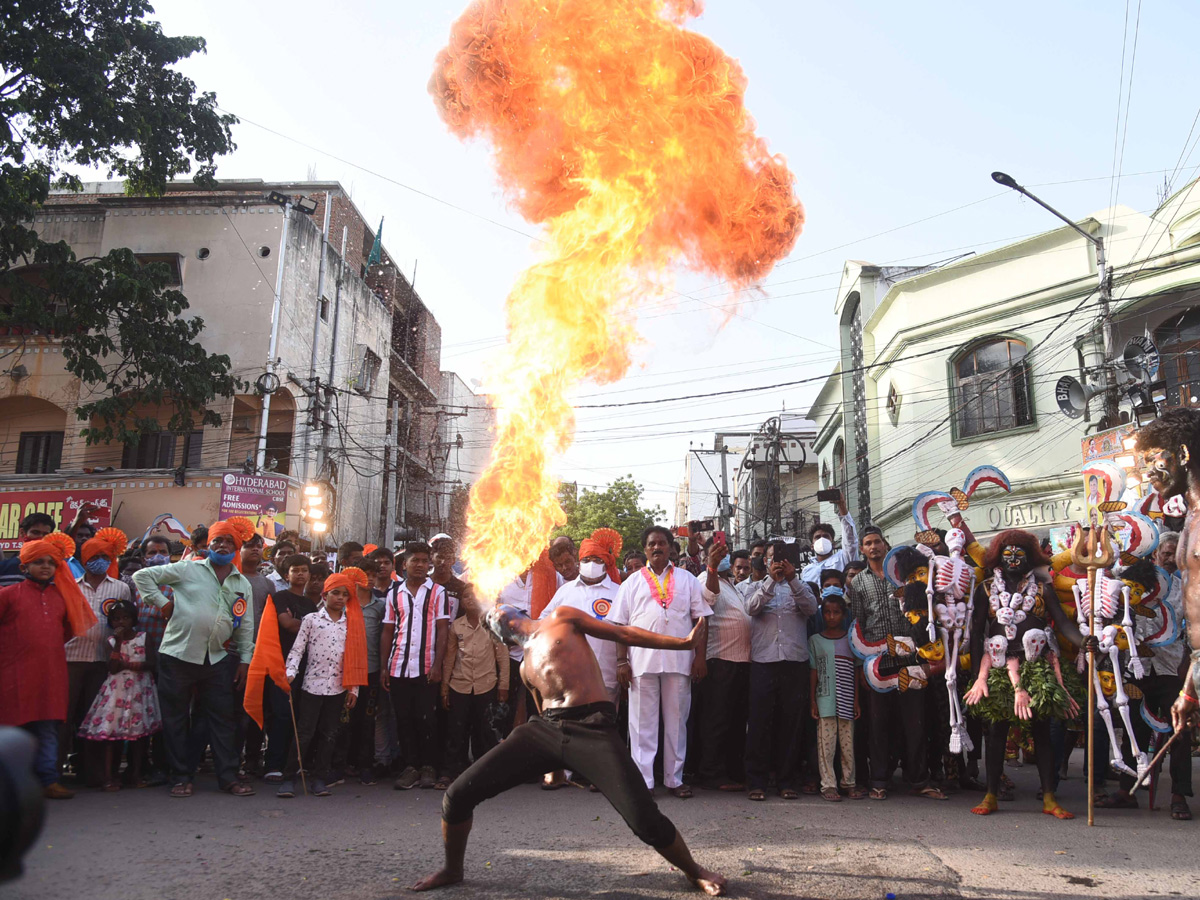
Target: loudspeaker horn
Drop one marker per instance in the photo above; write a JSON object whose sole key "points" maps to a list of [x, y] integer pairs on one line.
{"points": [[1073, 397]]}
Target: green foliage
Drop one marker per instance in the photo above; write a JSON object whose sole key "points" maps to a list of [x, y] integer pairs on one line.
{"points": [[618, 506], [1047, 697], [90, 84]]}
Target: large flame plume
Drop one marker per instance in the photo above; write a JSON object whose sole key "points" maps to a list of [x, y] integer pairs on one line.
{"points": [[627, 137]]}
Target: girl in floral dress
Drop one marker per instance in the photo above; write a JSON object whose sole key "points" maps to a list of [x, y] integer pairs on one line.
{"points": [[126, 709]]}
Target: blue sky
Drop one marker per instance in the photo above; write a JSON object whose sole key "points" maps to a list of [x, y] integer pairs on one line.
{"points": [[888, 113]]}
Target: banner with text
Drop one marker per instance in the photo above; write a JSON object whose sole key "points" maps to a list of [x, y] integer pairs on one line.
{"points": [[61, 506], [260, 498]]}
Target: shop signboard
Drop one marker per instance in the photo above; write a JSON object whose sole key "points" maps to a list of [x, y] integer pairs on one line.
{"points": [[260, 498], [61, 505]]}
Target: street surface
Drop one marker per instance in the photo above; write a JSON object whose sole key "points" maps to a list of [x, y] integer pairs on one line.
{"points": [[369, 843]]}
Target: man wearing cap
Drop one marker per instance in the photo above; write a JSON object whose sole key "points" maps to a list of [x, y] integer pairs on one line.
{"points": [[212, 602], [87, 655]]}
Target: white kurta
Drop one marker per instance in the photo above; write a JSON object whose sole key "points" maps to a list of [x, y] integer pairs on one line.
{"points": [[596, 600], [518, 594], [661, 678]]}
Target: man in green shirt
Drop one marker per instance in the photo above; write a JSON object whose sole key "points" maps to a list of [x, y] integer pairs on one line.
{"points": [[209, 602]]}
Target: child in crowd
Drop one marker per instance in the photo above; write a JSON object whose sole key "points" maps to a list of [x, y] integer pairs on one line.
{"points": [[315, 589], [327, 637], [834, 696], [292, 605], [474, 675], [126, 709]]}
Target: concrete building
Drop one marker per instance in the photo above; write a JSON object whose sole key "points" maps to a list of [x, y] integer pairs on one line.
{"points": [[699, 494], [356, 348], [948, 368]]}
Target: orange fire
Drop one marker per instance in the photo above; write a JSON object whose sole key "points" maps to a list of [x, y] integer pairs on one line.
{"points": [[627, 136]]}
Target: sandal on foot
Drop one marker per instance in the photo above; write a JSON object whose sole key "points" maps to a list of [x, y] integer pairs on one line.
{"points": [[831, 795], [930, 792], [240, 789], [878, 794], [1116, 801], [182, 789], [110, 787], [683, 792], [758, 794], [1180, 811], [856, 793], [789, 794]]}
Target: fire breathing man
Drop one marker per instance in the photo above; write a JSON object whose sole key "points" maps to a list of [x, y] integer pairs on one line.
{"points": [[575, 729]]}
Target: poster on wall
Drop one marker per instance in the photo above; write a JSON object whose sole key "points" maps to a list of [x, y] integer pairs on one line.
{"points": [[260, 498], [61, 506]]}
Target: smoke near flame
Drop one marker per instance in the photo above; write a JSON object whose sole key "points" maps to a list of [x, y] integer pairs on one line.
{"points": [[626, 136]]}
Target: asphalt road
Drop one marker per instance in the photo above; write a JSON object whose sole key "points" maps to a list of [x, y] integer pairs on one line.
{"points": [[368, 843]]}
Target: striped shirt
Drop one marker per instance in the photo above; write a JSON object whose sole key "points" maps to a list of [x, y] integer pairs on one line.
{"points": [[92, 646], [415, 617], [729, 625]]}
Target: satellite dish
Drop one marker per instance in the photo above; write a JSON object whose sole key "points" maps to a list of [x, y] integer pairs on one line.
{"points": [[1072, 396], [1141, 358]]}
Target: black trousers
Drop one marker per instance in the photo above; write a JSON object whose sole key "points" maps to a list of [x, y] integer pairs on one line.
{"points": [[356, 738], [898, 716], [279, 726], [414, 701], [778, 696], [724, 694], [1159, 693], [212, 686], [318, 718], [466, 728], [583, 739], [1043, 748], [84, 680]]}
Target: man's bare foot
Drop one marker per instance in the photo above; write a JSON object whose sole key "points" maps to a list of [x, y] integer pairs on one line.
{"points": [[712, 883], [439, 879]]}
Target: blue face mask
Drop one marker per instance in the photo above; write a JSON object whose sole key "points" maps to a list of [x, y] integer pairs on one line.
{"points": [[97, 565], [158, 559], [220, 559]]}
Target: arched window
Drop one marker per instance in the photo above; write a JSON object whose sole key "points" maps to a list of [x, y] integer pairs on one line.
{"points": [[839, 463], [991, 388], [1178, 340]]}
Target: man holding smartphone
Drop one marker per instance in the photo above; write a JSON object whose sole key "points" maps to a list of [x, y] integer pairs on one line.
{"points": [[821, 535]]}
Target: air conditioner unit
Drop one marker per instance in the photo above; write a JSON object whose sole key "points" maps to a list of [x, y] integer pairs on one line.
{"points": [[243, 424]]}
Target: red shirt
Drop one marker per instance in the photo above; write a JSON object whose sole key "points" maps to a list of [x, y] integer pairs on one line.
{"points": [[33, 663]]}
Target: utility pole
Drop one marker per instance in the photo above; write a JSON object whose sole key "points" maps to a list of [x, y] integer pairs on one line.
{"points": [[276, 311], [725, 504], [1111, 398]]}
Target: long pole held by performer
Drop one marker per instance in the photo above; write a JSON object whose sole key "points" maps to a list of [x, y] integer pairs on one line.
{"points": [[296, 732], [1098, 555]]}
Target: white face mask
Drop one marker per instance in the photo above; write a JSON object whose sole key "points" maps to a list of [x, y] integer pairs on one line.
{"points": [[592, 570], [822, 546]]}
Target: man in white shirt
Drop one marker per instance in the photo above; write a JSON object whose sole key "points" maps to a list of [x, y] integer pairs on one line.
{"points": [[725, 690], [824, 556], [665, 600]]}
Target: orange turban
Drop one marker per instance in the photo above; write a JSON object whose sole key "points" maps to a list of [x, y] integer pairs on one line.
{"points": [[240, 529], [545, 583], [368, 549], [606, 544], [60, 546], [110, 542], [354, 658]]}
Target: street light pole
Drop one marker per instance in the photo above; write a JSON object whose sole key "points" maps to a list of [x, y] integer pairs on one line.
{"points": [[1106, 328]]}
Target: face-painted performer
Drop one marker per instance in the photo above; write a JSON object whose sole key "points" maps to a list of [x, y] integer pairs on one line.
{"points": [[1170, 447], [576, 729], [1010, 633]]}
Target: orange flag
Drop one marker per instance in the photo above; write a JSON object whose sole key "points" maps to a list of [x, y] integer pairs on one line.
{"points": [[267, 660]]}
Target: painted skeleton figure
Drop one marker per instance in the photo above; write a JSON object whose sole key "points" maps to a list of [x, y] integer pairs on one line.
{"points": [[1119, 591], [950, 594]]}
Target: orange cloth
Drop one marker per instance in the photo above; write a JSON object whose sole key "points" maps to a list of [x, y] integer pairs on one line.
{"points": [[354, 658], [368, 549], [60, 546], [545, 583], [267, 661], [240, 529], [110, 542], [606, 544]]}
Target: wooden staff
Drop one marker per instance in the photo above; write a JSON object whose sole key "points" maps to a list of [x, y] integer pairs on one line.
{"points": [[1098, 555], [1154, 763], [296, 732]]}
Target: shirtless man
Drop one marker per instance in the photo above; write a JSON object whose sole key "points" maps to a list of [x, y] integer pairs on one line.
{"points": [[576, 729], [1170, 448]]}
